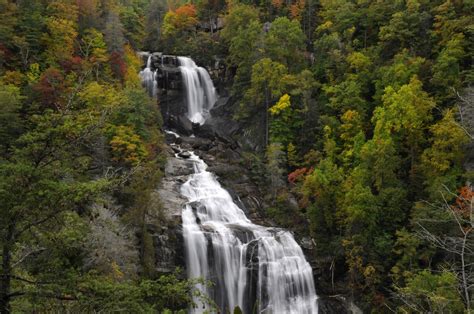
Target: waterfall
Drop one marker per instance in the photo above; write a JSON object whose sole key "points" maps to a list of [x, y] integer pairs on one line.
{"points": [[259, 269], [200, 91], [148, 77]]}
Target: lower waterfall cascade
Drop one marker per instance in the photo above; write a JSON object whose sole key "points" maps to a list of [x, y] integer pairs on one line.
{"points": [[259, 269]]}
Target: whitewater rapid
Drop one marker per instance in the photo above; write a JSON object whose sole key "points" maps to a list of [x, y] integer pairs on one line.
{"points": [[259, 269]]}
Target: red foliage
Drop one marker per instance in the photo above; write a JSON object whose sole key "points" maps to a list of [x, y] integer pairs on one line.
{"points": [[50, 87], [379, 299], [296, 175], [86, 7], [72, 64], [118, 65], [5, 53]]}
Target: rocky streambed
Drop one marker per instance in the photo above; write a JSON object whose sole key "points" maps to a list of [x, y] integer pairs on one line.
{"points": [[223, 156]]}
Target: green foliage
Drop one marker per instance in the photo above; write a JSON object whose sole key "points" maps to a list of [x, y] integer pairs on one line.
{"points": [[244, 52], [267, 82], [446, 70], [353, 98], [284, 43], [72, 136], [405, 28], [10, 120], [320, 191], [399, 72], [441, 162], [431, 292], [403, 117], [146, 296], [238, 18]]}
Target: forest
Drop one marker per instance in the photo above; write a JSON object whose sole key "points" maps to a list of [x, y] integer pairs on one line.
{"points": [[360, 110]]}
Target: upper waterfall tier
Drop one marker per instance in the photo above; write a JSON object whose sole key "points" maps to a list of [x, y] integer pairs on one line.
{"points": [[261, 270], [199, 89], [148, 77]]}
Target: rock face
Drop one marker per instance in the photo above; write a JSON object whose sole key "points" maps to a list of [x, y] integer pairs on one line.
{"points": [[167, 237], [220, 142]]}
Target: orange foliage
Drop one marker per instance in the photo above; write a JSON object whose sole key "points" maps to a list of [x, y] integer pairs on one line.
{"points": [[188, 10], [464, 202], [277, 3], [296, 9], [185, 16]]}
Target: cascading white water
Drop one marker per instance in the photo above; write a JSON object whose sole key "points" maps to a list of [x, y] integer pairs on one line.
{"points": [[200, 91], [261, 270], [148, 77]]}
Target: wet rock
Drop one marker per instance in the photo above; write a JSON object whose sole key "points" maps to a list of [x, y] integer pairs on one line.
{"points": [[197, 143], [172, 138], [185, 124], [184, 154], [176, 167], [244, 234], [197, 207], [204, 131], [306, 243], [237, 200], [169, 248], [225, 170], [180, 123]]}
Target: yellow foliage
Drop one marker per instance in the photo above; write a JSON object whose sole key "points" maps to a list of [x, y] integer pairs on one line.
{"points": [[358, 61], [13, 78], [326, 25], [133, 67], [34, 73], [60, 40], [351, 124], [117, 273], [127, 146], [281, 105], [100, 96]]}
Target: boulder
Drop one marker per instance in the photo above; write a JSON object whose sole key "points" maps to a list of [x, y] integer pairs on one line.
{"points": [[185, 125], [196, 143], [184, 154]]}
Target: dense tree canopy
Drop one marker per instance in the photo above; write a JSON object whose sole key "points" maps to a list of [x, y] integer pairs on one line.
{"points": [[359, 113]]}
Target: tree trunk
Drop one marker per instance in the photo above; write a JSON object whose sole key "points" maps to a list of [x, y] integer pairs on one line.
{"points": [[465, 285], [5, 272], [266, 115]]}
